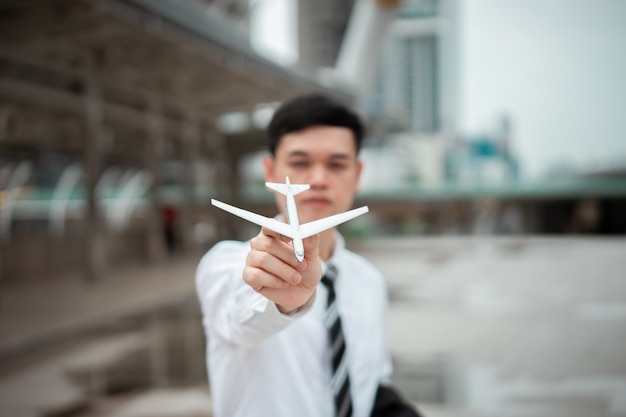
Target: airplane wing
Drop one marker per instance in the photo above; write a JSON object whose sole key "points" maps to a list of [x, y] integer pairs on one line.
{"points": [[273, 224], [282, 188], [317, 226]]}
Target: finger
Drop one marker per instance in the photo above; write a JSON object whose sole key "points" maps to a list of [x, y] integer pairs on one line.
{"points": [[274, 266], [275, 244], [269, 232], [259, 279], [312, 247], [271, 243]]}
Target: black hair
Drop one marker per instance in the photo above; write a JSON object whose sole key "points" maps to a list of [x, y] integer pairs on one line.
{"points": [[310, 110]]}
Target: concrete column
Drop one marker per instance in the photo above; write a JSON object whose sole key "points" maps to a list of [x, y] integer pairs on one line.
{"points": [[358, 57], [222, 170], [191, 140], [95, 256], [155, 140]]}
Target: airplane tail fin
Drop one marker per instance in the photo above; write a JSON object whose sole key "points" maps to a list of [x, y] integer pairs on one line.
{"points": [[283, 188]]}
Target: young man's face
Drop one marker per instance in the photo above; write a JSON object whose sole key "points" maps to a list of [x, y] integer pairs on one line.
{"points": [[323, 157]]}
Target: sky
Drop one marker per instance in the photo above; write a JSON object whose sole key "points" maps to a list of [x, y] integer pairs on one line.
{"points": [[273, 30], [556, 68]]}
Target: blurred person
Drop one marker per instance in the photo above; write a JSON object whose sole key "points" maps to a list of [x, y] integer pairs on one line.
{"points": [[286, 338], [168, 221]]}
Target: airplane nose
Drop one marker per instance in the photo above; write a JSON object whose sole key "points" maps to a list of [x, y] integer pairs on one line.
{"points": [[299, 256]]}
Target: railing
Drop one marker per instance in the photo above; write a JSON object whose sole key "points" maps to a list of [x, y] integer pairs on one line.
{"points": [[118, 196]]}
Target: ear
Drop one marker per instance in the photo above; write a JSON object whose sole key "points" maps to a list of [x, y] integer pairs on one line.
{"points": [[268, 164], [359, 169]]}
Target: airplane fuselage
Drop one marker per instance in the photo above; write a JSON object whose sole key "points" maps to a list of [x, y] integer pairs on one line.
{"points": [[292, 229], [292, 218]]}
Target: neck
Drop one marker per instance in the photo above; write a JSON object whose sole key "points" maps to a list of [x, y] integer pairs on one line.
{"points": [[327, 244]]}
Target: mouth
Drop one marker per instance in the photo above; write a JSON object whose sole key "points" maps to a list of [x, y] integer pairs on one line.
{"points": [[317, 202]]}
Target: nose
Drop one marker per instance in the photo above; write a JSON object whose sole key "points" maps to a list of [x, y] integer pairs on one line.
{"points": [[318, 177]]}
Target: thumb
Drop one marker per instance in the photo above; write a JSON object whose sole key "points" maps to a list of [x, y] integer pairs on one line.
{"points": [[312, 247]]}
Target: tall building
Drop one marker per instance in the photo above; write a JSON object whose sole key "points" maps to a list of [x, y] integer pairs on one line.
{"points": [[416, 81], [321, 28]]}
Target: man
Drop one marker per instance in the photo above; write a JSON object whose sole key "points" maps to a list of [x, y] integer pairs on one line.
{"points": [[280, 342]]}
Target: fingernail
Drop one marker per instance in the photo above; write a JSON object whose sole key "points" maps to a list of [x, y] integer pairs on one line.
{"points": [[296, 278]]}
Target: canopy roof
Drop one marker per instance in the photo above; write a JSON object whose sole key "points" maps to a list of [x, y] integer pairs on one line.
{"points": [[146, 63]]}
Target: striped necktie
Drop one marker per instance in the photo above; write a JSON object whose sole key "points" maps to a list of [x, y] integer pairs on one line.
{"points": [[340, 382]]}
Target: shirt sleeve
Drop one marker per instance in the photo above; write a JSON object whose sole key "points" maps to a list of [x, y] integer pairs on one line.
{"points": [[232, 311]]}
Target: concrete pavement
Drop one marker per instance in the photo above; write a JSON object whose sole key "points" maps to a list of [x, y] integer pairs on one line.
{"points": [[63, 342], [46, 310], [509, 326], [522, 326]]}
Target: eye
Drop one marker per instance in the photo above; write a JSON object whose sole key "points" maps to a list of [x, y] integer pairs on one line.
{"points": [[336, 166], [299, 164]]}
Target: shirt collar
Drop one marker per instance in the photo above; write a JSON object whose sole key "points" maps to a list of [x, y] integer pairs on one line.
{"points": [[340, 246]]}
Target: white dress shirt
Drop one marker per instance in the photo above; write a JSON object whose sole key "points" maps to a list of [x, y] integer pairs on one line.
{"points": [[265, 363]]}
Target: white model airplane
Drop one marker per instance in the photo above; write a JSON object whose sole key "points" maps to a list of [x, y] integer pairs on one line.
{"points": [[293, 229]]}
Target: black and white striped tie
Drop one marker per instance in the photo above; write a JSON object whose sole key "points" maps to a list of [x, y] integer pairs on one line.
{"points": [[340, 382]]}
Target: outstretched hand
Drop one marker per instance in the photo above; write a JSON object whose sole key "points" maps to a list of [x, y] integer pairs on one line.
{"points": [[272, 269]]}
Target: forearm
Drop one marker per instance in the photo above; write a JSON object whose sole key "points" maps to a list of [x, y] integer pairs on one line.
{"points": [[245, 318], [232, 310]]}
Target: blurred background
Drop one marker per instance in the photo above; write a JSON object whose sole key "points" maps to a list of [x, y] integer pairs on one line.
{"points": [[495, 173]]}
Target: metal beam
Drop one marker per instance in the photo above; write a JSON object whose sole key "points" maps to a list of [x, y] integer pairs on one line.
{"points": [[66, 102]]}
